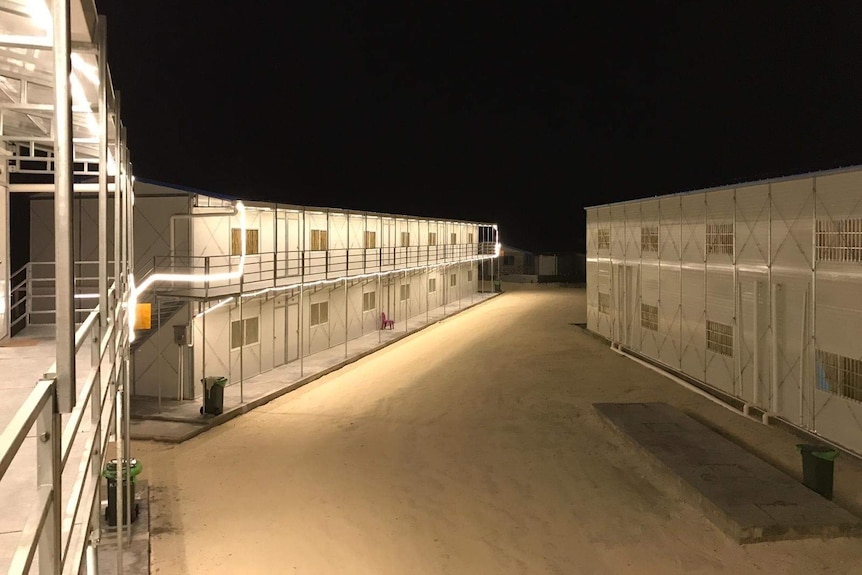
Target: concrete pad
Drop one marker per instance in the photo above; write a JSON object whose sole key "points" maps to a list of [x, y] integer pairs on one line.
{"points": [[136, 553], [748, 499]]}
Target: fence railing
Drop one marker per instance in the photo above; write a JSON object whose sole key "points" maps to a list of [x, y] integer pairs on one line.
{"points": [[61, 532], [33, 292], [284, 267]]}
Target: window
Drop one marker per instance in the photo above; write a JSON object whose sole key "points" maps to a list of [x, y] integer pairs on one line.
{"points": [[604, 303], [453, 280], [839, 375], [370, 240], [453, 238], [469, 275], [719, 338], [603, 239], [649, 239], [405, 292], [369, 301], [649, 317], [319, 313], [319, 241], [508, 260], [469, 237], [244, 332], [839, 241], [432, 285], [719, 239], [432, 238], [251, 242]]}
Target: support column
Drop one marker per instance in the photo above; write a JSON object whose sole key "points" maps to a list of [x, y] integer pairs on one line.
{"points": [[63, 254], [103, 173]]}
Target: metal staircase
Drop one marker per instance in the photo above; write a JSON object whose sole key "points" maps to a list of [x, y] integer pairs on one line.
{"points": [[160, 315]]}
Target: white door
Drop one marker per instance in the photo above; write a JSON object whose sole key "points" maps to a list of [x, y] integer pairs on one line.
{"points": [[279, 337], [292, 332]]}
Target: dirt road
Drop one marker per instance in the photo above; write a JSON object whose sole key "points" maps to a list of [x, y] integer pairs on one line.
{"points": [[468, 448]]}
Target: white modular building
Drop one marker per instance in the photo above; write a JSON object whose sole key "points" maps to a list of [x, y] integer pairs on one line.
{"points": [[750, 290], [312, 278]]}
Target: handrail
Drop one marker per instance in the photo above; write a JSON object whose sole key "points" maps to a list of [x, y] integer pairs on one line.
{"points": [[16, 430], [23, 558]]}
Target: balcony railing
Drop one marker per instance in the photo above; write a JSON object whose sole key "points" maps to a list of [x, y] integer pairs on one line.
{"points": [[64, 530]]}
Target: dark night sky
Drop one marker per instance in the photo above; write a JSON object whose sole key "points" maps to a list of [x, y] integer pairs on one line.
{"points": [[519, 113]]}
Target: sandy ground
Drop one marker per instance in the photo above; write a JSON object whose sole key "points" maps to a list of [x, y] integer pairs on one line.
{"points": [[470, 447]]}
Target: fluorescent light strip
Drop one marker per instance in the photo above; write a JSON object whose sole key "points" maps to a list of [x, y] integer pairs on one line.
{"points": [[135, 291], [216, 306]]}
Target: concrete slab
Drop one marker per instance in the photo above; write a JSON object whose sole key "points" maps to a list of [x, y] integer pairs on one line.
{"points": [[748, 499]]}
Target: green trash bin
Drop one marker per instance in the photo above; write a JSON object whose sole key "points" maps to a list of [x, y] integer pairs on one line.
{"points": [[818, 463], [128, 492], [213, 394]]}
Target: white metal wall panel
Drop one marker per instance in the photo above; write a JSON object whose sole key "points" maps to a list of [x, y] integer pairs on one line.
{"points": [[669, 312], [791, 220], [693, 328], [751, 229]]}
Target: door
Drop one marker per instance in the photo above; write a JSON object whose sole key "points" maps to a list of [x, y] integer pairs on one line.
{"points": [[292, 332], [752, 350], [279, 338]]}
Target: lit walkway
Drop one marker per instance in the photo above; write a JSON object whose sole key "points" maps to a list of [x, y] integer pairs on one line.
{"points": [[472, 447], [23, 361], [176, 421]]}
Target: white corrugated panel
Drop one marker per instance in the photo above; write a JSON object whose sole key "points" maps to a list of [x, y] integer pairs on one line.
{"points": [[792, 216], [670, 230], [693, 228], [752, 225]]}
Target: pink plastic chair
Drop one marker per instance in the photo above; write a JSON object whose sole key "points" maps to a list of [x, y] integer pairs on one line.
{"points": [[386, 323]]}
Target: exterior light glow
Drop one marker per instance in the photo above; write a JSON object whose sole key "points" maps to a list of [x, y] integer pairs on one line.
{"points": [[135, 290]]}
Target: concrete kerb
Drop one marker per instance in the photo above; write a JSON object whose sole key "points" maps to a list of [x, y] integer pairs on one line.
{"points": [[227, 415]]}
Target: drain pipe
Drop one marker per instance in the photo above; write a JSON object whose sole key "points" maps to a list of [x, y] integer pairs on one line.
{"points": [[673, 378]]}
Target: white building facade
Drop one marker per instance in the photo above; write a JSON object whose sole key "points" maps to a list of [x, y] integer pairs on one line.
{"points": [[751, 290], [312, 279]]}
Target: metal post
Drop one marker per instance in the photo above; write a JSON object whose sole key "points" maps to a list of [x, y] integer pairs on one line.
{"points": [[755, 390], [773, 329], [127, 446], [301, 289], [813, 316], [771, 292], [120, 447], [379, 327], [103, 172], [705, 274], [737, 336], [346, 289], [63, 256], [242, 341], [118, 281], [96, 423], [49, 476], [407, 300], [803, 350]]}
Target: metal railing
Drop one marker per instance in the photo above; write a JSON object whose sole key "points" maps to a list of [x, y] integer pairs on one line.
{"points": [[64, 532], [285, 267], [33, 294]]}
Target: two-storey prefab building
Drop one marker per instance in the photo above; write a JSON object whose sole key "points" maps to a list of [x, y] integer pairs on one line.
{"points": [[751, 289], [311, 278]]}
